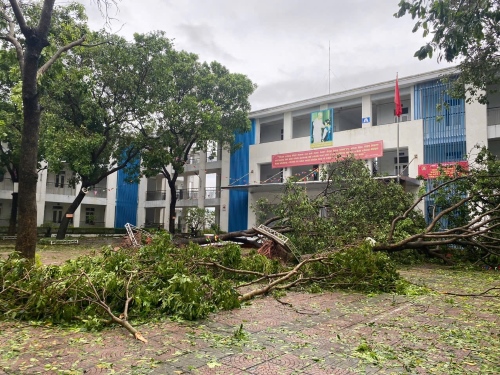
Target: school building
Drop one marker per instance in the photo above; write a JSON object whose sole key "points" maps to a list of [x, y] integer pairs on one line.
{"points": [[293, 139]]}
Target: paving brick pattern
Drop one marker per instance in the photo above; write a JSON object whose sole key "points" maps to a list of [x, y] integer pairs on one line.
{"points": [[333, 333]]}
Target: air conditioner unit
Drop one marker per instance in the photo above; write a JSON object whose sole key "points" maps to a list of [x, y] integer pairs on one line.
{"points": [[402, 118]]}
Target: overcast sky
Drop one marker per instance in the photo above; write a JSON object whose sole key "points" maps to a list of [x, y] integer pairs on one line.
{"points": [[282, 45]]}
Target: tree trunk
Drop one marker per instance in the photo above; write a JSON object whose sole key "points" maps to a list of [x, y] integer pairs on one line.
{"points": [[173, 202], [13, 216], [63, 227], [27, 232]]}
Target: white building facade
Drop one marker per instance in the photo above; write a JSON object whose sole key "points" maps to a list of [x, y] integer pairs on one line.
{"points": [[434, 128]]}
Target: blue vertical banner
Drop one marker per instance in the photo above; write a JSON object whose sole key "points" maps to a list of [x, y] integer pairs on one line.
{"points": [[127, 195], [239, 176]]}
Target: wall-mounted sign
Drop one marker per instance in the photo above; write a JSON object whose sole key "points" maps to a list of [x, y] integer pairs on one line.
{"points": [[69, 215], [368, 150], [322, 128], [430, 171], [365, 120]]}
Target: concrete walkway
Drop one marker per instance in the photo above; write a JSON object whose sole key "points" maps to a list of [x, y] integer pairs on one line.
{"points": [[311, 334]]}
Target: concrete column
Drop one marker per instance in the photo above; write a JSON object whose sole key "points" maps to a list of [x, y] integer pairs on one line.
{"points": [[257, 131], [141, 210], [412, 103], [366, 111], [77, 214], [287, 173], [224, 193], [202, 180], [112, 186], [40, 196], [369, 165], [287, 126], [476, 127]]}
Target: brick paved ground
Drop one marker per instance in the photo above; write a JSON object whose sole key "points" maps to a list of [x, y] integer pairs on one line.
{"points": [[330, 333]]}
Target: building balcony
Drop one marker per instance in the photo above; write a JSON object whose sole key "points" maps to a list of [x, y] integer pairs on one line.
{"points": [[60, 189], [156, 195], [212, 193], [187, 194]]}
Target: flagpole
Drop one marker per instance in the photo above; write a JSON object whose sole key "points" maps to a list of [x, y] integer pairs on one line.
{"points": [[397, 111], [397, 152]]}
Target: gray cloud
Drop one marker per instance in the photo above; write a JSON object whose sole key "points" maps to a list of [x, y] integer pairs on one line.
{"points": [[282, 45]]}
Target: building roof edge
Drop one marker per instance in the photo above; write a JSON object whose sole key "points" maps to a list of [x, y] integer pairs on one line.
{"points": [[356, 92]]}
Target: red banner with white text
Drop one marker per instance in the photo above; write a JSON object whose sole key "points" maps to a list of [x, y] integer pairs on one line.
{"points": [[328, 155]]}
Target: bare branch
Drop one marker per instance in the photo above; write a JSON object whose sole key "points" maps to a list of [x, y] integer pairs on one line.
{"points": [[56, 55], [18, 13]]}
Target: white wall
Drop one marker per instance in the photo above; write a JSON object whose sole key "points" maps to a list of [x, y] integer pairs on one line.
{"points": [[476, 130]]}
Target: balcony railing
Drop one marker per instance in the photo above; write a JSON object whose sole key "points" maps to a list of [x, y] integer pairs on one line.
{"points": [[156, 195], [97, 191], [187, 194], [193, 159], [212, 193], [53, 188], [493, 116]]}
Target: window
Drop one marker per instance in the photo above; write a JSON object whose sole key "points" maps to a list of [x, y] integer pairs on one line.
{"points": [[452, 112], [404, 111], [90, 215], [401, 169], [57, 214], [60, 179]]}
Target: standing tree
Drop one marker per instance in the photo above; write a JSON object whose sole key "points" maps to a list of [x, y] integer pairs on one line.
{"points": [[93, 114], [198, 219], [467, 32], [198, 103], [10, 128], [67, 24], [29, 36]]}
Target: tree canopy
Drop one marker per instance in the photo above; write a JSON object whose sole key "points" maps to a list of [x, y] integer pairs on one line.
{"points": [[68, 24], [466, 32], [194, 103], [25, 27], [92, 115]]}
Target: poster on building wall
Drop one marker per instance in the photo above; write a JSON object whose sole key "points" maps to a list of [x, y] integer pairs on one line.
{"points": [[322, 128]]}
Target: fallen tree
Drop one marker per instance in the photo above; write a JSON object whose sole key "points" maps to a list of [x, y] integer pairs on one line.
{"points": [[161, 279], [462, 212], [190, 281]]}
